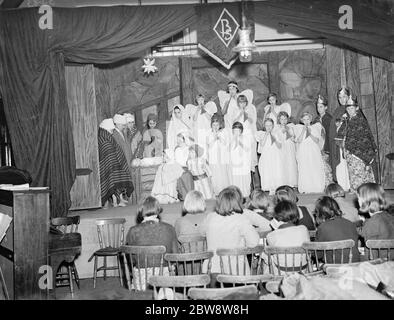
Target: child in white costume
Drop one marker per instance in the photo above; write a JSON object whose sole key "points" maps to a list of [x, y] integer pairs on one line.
{"points": [[311, 177], [228, 102], [240, 159], [218, 152], [200, 118], [286, 135], [272, 109], [199, 168], [270, 163]]}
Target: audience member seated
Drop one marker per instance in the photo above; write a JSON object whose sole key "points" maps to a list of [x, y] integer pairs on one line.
{"points": [[287, 231], [257, 220], [149, 230], [335, 191], [332, 226], [288, 193], [259, 210], [228, 228], [380, 225], [193, 214]]}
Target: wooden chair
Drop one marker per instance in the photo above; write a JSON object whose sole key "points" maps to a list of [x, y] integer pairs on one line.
{"points": [[174, 282], [189, 263], [223, 293], [66, 225], [192, 243], [286, 260], [383, 249], [140, 262], [111, 238], [236, 261], [258, 280], [328, 252]]}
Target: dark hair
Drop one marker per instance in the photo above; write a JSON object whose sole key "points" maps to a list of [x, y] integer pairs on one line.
{"points": [[218, 119], [334, 190], [272, 94], [200, 95], [286, 211], [242, 98], [260, 200], [238, 192], [151, 116], [324, 99], [227, 202], [238, 125], [150, 207], [232, 82], [282, 114], [346, 89], [285, 193], [327, 208]]}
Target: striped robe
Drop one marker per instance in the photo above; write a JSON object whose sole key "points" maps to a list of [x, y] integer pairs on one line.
{"points": [[114, 169]]}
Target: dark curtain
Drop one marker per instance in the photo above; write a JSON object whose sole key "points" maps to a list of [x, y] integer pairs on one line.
{"points": [[33, 83], [373, 26]]}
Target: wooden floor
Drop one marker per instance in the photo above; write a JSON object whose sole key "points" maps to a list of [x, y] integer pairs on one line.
{"points": [[109, 289]]}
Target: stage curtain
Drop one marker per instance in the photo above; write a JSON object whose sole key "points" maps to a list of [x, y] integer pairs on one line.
{"points": [[373, 26], [32, 79]]}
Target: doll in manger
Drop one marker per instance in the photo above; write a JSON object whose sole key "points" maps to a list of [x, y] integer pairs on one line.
{"points": [[311, 175], [200, 171], [270, 162]]}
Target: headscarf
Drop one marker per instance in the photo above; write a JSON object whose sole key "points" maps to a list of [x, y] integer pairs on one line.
{"points": [[119, 119], [107, 124], [177, 126]]}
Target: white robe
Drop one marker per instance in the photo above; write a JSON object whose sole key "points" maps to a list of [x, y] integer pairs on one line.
{"points": [[278, 108], [311, 177], [202, 125], [219, 159], [233, 110], [240, 159], [177, 126], [270, 162], [288, 153]]}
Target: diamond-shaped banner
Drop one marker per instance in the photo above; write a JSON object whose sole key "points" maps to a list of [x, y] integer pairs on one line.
{"points": [[226, 27], [217, 29]]}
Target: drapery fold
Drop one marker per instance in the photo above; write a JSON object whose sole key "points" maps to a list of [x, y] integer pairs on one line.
{"points": [[32, 77]]}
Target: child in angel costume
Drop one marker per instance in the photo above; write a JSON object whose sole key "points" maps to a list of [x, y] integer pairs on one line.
{"points": [[272, 109], [311, 176], [285, 133], [270, 162], [218, 141], [179, 123], [229, 104], [200, 119], [153, 138], [173, 179], [200, 170], [240, 159]]}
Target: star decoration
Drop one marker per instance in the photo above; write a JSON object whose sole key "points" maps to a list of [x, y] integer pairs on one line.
{"points": [[149, 66]]}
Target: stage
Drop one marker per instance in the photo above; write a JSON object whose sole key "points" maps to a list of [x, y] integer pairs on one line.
{"points": [[171, 212]]}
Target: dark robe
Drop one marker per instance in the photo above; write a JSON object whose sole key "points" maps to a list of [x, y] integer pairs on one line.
{"points": [[114, 169], [326, 123], [333, 146], [359, 140]]}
